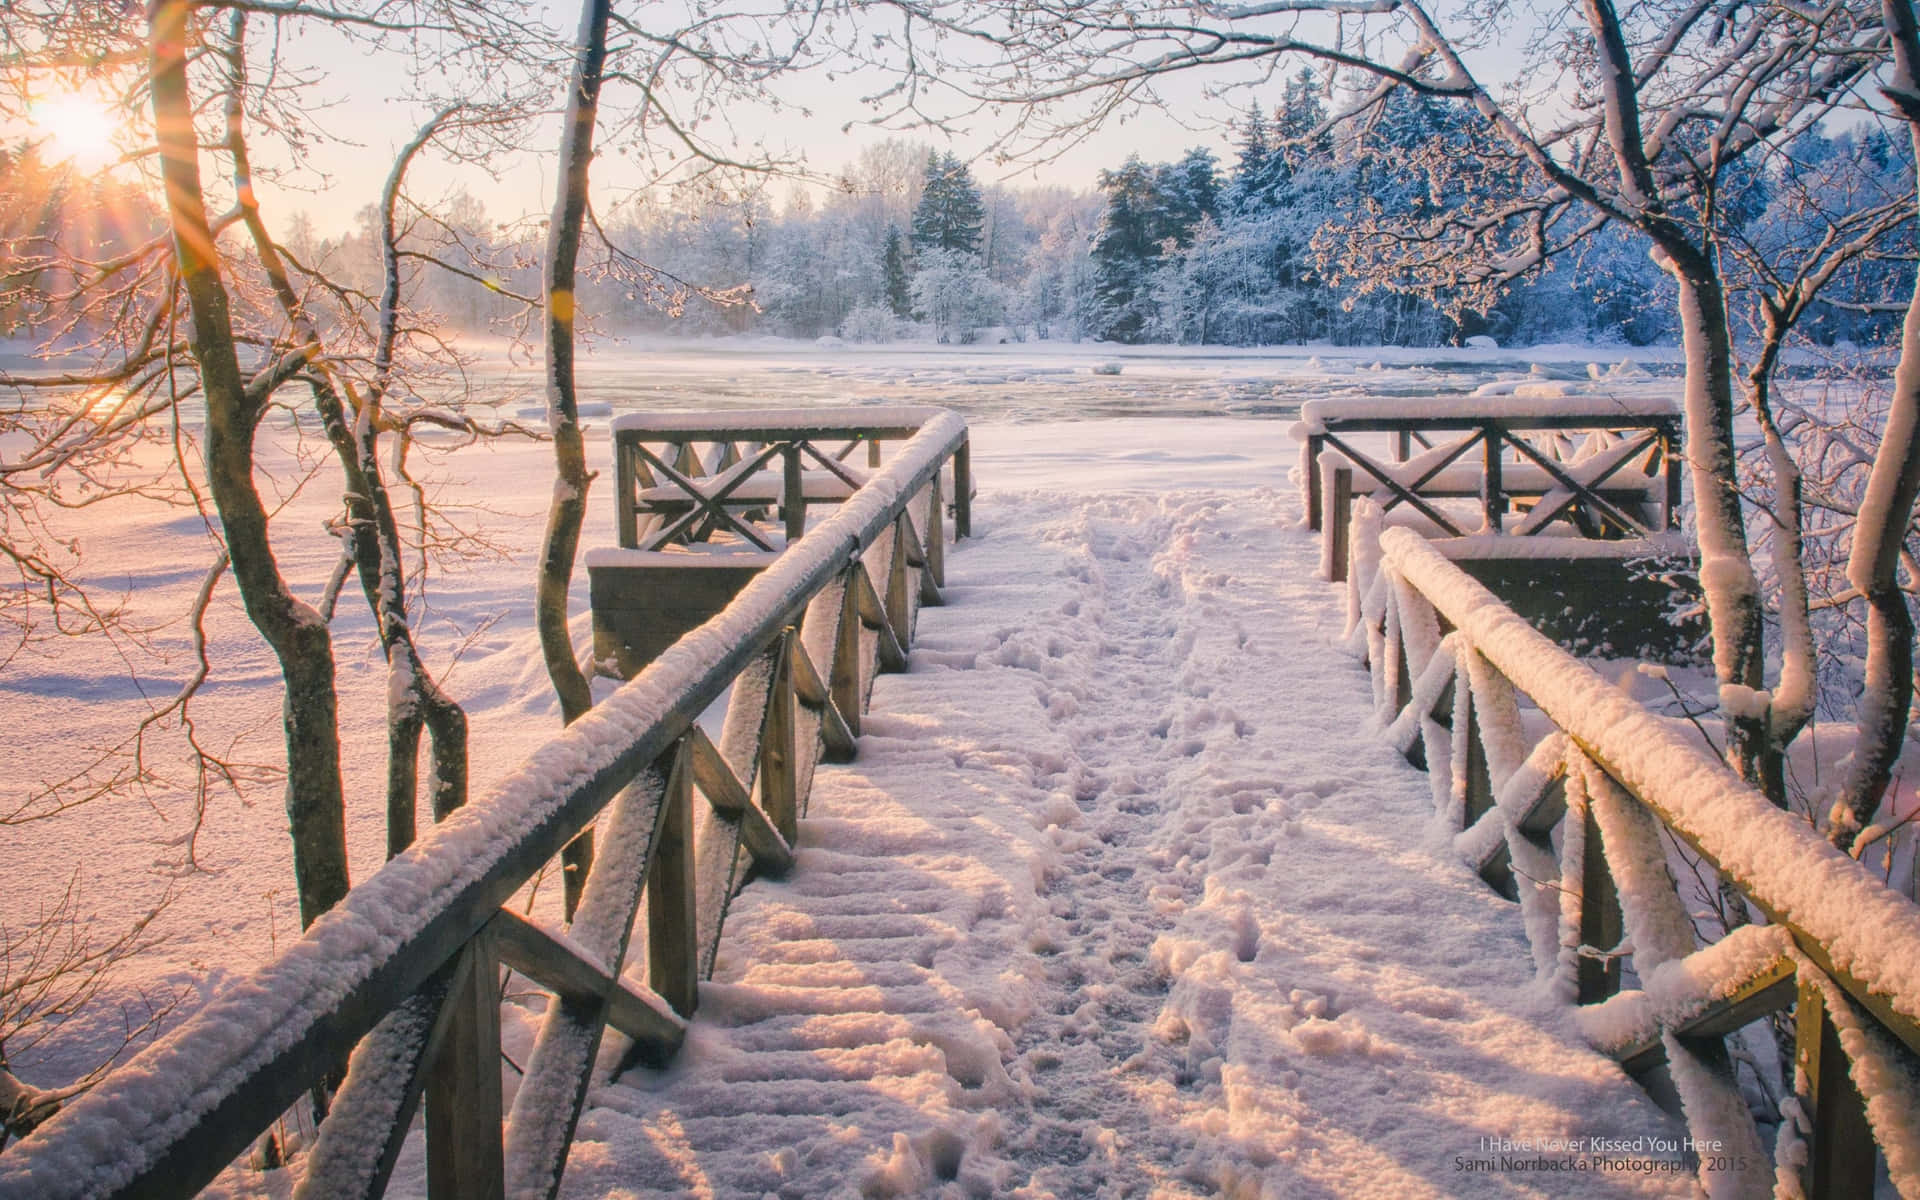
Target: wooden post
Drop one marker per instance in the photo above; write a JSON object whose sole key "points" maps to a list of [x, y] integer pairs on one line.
{"points": [[626, 493], [1669, 441], [1339, 532], [465, 1160], [673, 935], [873, 453], [1315, 443], [1840, 1158], [1479, 774], [844, 677], [1402, 445], [963, 491], [793, 503], [1492, 503], [779, 795], [1601, 923], [935, 546], [1402, 671], [899, 605]]}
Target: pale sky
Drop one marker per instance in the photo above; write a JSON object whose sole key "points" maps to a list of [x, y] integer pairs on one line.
{"points": [[356, 110], [354, 99]]}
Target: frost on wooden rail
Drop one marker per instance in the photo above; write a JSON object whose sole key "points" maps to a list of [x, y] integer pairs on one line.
{"points": [[1561, 786], [412, 954]]}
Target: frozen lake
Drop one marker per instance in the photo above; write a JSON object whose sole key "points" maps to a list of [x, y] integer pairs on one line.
{"points": [[1039, 381]]}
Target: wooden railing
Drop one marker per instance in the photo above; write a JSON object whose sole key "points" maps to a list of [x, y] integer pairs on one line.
{"points": [[684, 477], [1563, 809], [1602, 466], [404, 974]]}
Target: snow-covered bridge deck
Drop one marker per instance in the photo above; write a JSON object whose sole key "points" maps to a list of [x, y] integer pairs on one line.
{"points": [[1122, 897]]}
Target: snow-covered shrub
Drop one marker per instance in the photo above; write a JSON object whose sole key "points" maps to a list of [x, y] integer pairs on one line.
{"points": [[870, 323], [954, 294]]}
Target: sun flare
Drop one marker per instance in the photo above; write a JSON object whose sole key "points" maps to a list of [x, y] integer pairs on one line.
{"points": [[78, 128]]}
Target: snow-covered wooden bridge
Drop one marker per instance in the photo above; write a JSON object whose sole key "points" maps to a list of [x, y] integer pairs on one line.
{"points": [[1131, 889]]}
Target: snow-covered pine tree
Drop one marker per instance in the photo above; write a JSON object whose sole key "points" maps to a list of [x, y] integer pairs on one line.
{"points": [[893, 267], [1125, 249], [950, 215]]}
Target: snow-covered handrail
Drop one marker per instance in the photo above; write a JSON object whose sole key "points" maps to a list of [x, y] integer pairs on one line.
{"points": [[1569, 821], [403, 974]]}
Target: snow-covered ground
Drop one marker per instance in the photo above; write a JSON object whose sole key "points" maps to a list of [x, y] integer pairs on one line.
{"points": [[1121, 897]]}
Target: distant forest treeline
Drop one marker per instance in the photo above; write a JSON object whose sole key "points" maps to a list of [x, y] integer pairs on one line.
{"points": [[1282, 245]]}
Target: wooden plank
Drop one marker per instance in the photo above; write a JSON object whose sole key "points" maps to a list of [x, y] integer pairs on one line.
{"points": [[713, 776], [1401, 492], [709, 503], [772, 852], [1479, 774], [893, 656], [1493, 502], [793, 496], [891, 423], [1599, 503], [1768, 990], [900, 608], [538, 954], [936, 541], [559, 1069], [1545, 811], [1601, 922], [1606, 412], [1669, 441], [1340, 525], [963, 491], [465, 1156], [815, 694], [1315, 444], [834, 466], [928, 590], [1840, 1160], [843, 677], [626, 489], [672, 937], [385, 1080], [777, 782]]}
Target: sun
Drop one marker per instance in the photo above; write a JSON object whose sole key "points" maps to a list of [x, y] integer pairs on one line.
{"points": [[78, 129]]}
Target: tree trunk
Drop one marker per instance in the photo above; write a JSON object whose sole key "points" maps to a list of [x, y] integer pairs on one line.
{"points": [[296, 633], [414, 699], [567, 510], [1726, 566], [1886, 511]]}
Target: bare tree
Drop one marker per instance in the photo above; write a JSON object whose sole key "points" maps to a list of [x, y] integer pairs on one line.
{"points": [[733, 53], [1886, 515], [193, 306]]}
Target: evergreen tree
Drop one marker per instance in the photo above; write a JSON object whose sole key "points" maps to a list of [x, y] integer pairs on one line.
{"points": [[1189, 193], [894, 270], [1124, 252], [950, 215], [1256, 146], [1301, 113]]}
